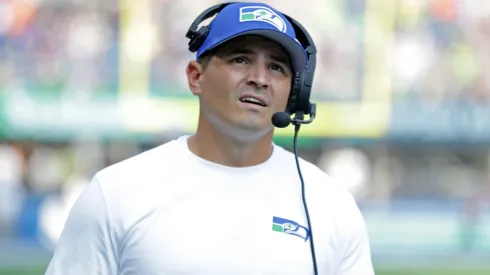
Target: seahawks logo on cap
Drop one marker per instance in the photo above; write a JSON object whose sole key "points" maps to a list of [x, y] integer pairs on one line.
{"points": [[262, 14]]}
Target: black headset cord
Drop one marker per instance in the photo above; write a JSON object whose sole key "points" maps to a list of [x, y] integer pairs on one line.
{"points": [[312, 246]]}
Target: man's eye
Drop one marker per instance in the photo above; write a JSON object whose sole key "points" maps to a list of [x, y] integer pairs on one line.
{"points": [[276, 67], [238, 60]]}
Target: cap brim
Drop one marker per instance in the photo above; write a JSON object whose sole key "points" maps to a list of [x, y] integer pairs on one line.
{"points": [[296, 52]]}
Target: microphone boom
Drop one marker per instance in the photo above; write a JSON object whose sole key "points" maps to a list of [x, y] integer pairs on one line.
{"points": [[283, 119]]}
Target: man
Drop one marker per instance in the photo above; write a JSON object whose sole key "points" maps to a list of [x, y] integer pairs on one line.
{"points": [[225, 200]]}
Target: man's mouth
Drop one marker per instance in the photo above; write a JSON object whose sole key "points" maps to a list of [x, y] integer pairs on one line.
{"points": [[252, 100]]}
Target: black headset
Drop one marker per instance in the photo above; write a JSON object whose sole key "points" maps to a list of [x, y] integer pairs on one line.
{"points": [[299, 98]]}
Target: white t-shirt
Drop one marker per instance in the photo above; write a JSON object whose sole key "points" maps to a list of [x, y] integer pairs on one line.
{"points": [[167, 211]]}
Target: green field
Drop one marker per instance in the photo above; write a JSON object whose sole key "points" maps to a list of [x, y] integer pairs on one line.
{"points": [[435, 271], [379, 271]]}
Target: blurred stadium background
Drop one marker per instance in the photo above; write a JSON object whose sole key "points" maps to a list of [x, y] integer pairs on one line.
{"points": [[403, 92]]}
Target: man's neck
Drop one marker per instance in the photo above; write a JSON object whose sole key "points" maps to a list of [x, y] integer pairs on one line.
{"points": [[213, 145]]}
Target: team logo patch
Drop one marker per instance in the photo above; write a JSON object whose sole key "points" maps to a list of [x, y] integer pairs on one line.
{"points": [[262, 14], [290, 227]]}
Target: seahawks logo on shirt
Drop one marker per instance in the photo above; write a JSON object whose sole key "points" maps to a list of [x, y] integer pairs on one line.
{"points": [[290, 227], [262, 14]]}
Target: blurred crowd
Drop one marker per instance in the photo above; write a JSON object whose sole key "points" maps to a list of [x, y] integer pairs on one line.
{"points": [[40, 181], [58, 48], [440, 51], [437, 49]]}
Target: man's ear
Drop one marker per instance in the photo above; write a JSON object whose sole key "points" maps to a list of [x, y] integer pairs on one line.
{"points": [[194, 72]]}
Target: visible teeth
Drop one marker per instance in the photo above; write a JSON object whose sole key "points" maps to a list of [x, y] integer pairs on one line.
{"points": [[251, 99]]}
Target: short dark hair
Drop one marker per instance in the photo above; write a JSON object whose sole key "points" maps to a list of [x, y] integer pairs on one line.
{"points": [[206, 56], [204, 59]]}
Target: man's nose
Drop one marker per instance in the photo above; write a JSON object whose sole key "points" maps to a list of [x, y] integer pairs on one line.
{"points": [[258, 76]]}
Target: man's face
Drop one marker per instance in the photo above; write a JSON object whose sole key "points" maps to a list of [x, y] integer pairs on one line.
{"points": [[245, 83]]}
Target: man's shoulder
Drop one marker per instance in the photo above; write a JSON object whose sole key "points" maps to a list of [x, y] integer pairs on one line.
{"points": [[139, 178], [328, 197], [313, 175], [144, 163]]}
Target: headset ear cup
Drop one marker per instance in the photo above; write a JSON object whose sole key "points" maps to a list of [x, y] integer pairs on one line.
{"points": [[293, 95], [198, 38]]}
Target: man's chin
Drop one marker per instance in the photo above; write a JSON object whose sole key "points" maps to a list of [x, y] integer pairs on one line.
{"points": [[258, 126], [247, 131]]}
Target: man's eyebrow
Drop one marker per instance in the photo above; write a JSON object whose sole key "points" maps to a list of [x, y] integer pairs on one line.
{"points": [[281, 59]]}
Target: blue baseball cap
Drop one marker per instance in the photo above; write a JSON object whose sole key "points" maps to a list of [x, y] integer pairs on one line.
{"points": [[250, 18]]}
